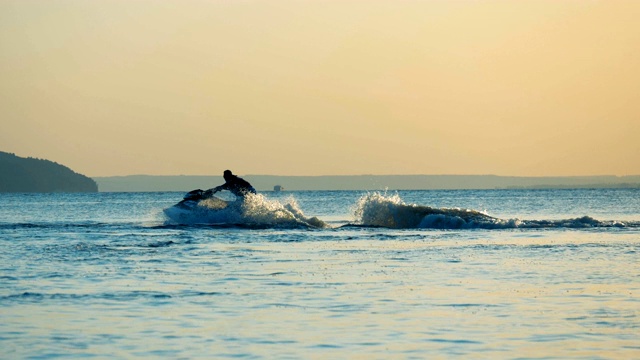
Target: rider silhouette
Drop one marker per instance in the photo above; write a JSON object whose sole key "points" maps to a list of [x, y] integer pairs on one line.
{"points": [[236, 185]]}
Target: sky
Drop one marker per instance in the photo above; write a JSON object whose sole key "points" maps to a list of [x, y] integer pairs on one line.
{"points": [[349, 87]]}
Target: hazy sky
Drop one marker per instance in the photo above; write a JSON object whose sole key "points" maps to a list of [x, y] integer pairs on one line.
{"points": [[524, 88]]}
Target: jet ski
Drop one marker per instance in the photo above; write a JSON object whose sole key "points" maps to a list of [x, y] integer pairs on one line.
{"points": [[193, 204], [191, 200], [195, 198], [201, 207]]}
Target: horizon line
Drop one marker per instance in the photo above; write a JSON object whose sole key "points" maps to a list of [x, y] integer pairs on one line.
{"points": [[358, 175]]}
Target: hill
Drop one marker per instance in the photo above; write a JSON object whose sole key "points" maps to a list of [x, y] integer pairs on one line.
{"points": [[18, 174], [365, 182]]}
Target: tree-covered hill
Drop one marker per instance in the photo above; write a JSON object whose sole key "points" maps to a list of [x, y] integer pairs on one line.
{"points": [[18, 174]]}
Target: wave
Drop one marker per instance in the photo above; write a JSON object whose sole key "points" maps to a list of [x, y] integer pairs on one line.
{"points": [[114, 296], [255, 211], [370, 210], [380, 210], [53, 225]]}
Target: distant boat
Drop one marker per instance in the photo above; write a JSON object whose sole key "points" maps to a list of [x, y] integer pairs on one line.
{"points": [[278, 188]]}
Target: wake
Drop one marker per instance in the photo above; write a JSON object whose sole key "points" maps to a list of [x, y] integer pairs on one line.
{"points": [[378, 210], [371, 210]]}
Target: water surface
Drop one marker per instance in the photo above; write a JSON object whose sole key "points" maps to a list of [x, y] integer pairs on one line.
{"points": [[107, 275]]}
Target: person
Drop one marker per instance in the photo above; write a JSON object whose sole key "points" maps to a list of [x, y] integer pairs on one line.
{"points": [[238, 186]]}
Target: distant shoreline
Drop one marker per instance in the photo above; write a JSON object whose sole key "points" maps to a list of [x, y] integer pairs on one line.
{"points": [[31, 175], [142, 183]]}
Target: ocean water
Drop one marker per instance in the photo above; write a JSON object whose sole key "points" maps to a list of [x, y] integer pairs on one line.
{"points": [[508, 274]]}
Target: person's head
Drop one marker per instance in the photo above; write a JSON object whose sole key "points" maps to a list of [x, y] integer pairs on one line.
{"points": [[227, 174]]}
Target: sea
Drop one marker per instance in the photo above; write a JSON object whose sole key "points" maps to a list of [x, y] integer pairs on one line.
{"points": [[477, 274]]}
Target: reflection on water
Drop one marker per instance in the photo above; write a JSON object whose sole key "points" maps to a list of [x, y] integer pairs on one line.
{"points": [[363, 292]]}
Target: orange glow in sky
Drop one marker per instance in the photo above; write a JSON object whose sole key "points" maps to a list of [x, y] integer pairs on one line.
{"points": [[522, 88]]}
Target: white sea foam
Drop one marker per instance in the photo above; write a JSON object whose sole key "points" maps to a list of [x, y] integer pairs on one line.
{"points": [[376, 209], [390, 211], [371, 210], [253, 211]]}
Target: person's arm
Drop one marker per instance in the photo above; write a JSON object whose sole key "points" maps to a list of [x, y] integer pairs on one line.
{"points": [[215, 190]]}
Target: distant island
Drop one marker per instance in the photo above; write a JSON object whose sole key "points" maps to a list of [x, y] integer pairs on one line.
{"points": [[18, 174], [135, 183]]}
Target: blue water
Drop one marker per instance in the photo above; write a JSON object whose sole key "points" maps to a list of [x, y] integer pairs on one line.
{"points": [[344, 274]]}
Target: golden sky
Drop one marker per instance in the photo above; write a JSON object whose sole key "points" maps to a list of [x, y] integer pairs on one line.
{"points": [[522, 88]]}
